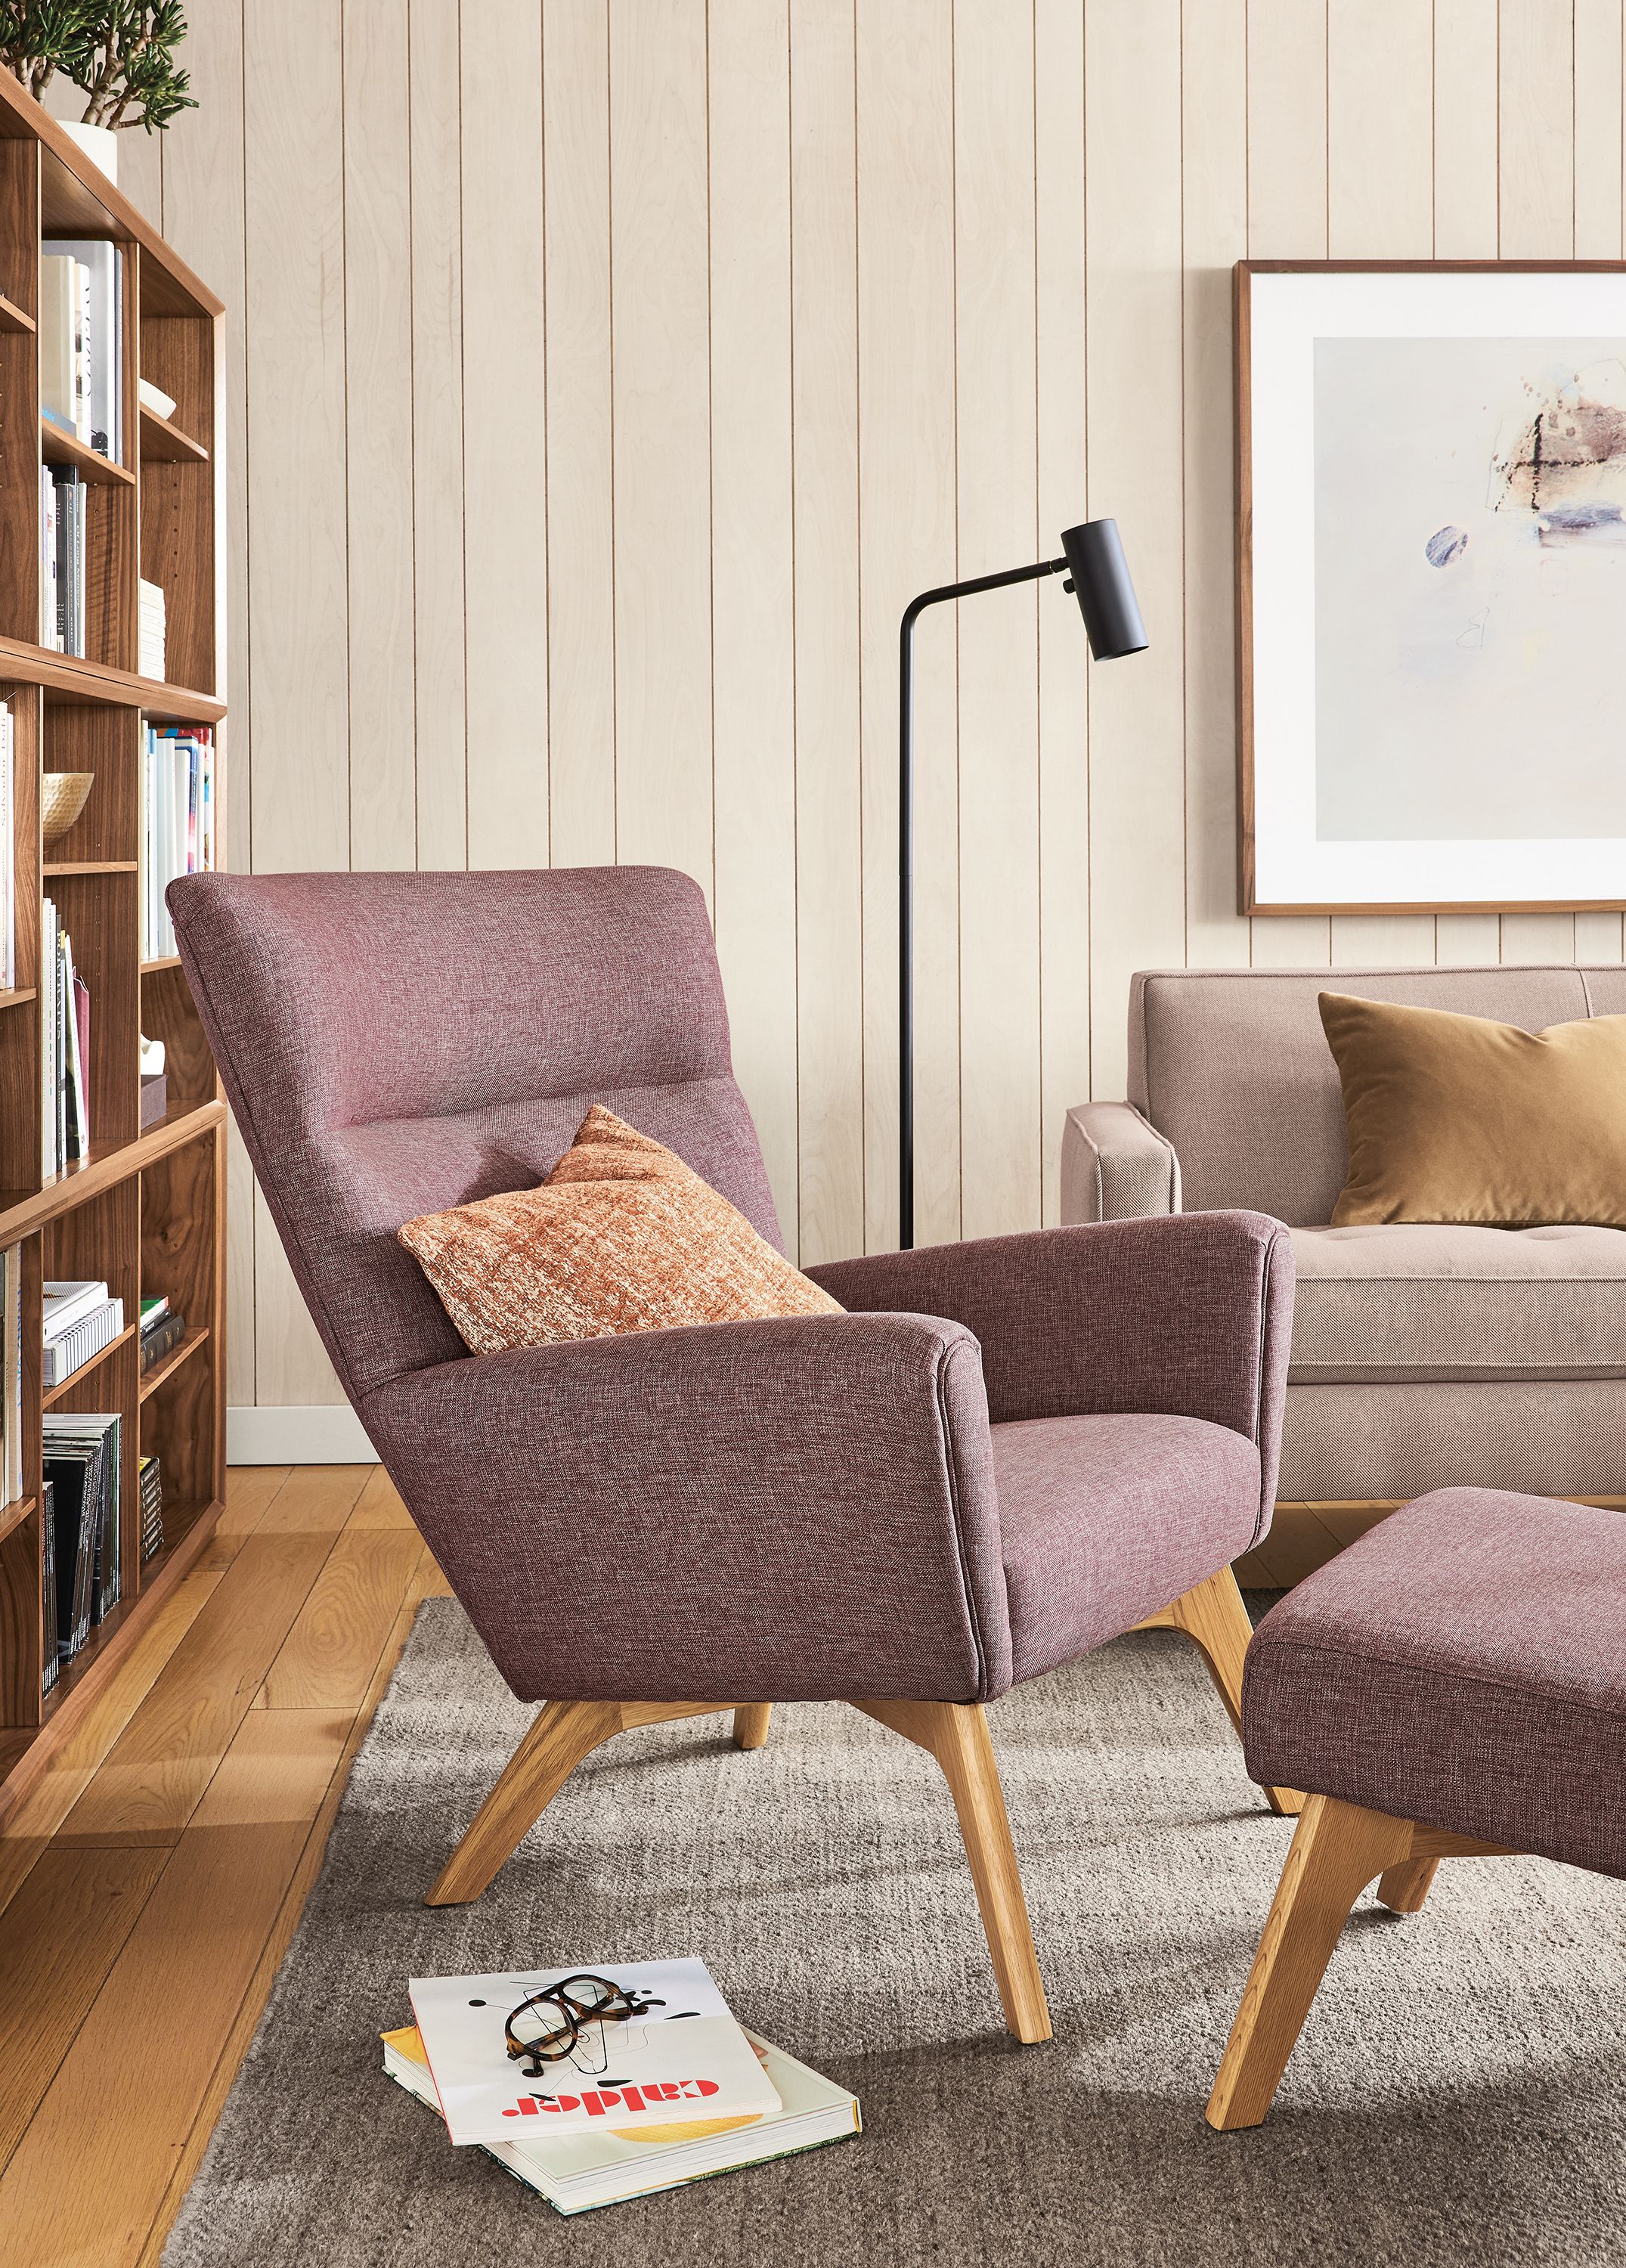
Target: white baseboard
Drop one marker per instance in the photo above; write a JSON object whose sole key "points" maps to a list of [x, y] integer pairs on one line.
{"points": [[319, 1434]]}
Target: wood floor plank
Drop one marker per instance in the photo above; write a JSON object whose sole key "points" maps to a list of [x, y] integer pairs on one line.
{"points": [[328, 1657], [63, 1930], [29, 1829], [250, 1491], [151, 1783], [191, 2157], [315, 1497], [176, 1989], [380, 1504]]}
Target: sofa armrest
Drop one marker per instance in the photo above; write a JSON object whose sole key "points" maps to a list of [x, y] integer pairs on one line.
{"points": [[1189, 1317], [801, 1509], [1116, 1166]]}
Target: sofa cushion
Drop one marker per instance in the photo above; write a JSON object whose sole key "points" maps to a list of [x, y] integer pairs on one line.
{"points": [[1405, 1300], [1464, 1664], [1105, 1519]]}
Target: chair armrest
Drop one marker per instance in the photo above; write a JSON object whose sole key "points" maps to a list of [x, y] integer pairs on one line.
{"points": [[1189, 1317], [1116, 1166], [800, 1509]]}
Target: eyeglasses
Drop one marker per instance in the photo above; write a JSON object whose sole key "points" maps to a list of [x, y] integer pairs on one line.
{"points": [[548, 2024]]}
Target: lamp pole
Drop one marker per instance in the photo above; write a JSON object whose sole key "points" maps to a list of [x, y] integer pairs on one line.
{"points": [[1093, 560]]}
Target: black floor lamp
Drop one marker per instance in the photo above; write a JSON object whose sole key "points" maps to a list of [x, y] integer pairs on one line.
{"points": [[1093, 560]]}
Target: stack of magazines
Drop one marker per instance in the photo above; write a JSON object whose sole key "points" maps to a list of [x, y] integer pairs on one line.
{"points": [[636, 2103]]}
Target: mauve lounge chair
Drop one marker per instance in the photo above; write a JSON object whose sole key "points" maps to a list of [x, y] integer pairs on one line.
{"points": [[1006, 1453]]}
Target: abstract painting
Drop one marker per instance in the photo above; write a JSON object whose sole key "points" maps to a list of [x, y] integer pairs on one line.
{"points": [[1432, 585]]}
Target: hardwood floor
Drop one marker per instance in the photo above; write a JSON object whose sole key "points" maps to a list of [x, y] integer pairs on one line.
{"points": [[150, 1881]]}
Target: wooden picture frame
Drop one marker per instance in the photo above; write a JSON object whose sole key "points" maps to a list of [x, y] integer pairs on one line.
{"points": [[1457, 321]]}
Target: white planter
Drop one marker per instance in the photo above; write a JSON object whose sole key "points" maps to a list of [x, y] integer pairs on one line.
{"points": [[100, 145]]}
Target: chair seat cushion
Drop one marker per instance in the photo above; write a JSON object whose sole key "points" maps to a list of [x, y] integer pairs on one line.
{"points": [[1105, 1519], [1406, 1301], [1464, 1664]]}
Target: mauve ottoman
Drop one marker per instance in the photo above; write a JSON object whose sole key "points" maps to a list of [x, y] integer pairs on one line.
{"points": [[1452, 1685]]}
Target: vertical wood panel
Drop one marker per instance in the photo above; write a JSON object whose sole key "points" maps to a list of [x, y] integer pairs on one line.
{"points": [[1214, 233], [439, 713], [753, 634], [997, 509], [829, 881], [1063, 660], [298, 577], [660, 313], [1132, 208], [907, 543], [581, 594], [378, 432], [504, 443], [1287, 186]]}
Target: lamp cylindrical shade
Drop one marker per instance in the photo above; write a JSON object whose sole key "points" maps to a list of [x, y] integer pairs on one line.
{"points": [[1100, 577]]}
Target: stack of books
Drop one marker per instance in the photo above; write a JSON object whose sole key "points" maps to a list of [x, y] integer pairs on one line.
{"points": [[162, 1327], [82, 1466], [177, 823], [63, 504], [637, 2106], [65, 1029], [80, 1320], [81, 342], [51, 1649], [151, 1493], [150, 631]]}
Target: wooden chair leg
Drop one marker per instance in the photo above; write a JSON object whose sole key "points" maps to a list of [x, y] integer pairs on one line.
{"points": [[1211, 1614], [1405, 1889], [563, 1734], [751, 1724], [956, 1733], [1336, 1850]]}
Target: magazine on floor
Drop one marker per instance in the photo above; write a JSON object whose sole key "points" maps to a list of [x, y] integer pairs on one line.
{"points": [[683, 2056], [578, 2172]]}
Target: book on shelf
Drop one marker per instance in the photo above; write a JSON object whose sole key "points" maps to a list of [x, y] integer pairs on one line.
{"points": [[65, 343], [65, 1302], [161, 1338], [65, 1034], [82, 1464], [102, 338], [150, 628], [50, 1649], [637, 2134], [63, 608], [150, 1491], [71, 1348], [177, 823]]}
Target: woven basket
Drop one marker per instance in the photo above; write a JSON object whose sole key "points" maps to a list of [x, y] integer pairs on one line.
{"points": [[63, 797]]}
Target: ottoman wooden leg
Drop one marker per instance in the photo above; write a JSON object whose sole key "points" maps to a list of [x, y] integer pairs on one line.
{"points": [[1336, 1850], [1403, 1889], [1212, 1616]]}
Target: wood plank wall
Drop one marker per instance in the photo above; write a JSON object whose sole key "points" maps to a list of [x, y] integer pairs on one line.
{"points": [[605, 375]]}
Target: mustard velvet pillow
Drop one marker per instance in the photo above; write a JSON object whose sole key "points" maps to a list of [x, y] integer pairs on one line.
{"points": [[1457, 1118], [621, 1236]]}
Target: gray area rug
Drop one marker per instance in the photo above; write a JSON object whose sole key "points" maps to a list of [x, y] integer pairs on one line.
{"points": [[1459, 2094]]}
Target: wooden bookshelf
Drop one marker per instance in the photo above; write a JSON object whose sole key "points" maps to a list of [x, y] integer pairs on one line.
{"points": [[146, 1211]]}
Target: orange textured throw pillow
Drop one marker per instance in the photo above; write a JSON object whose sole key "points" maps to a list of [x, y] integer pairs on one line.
{"points": [[621, 1236]]}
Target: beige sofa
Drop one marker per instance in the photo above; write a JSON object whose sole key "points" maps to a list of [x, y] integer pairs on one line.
{"points": [[1423, 1357]]}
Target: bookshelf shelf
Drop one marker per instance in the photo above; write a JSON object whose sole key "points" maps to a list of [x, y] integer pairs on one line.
{"points": [[145, 1210], [62, 448], [161, 1373], [163, 444]]}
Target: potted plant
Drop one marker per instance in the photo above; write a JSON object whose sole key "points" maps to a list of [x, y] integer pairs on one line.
{"points": [[120, 53]]}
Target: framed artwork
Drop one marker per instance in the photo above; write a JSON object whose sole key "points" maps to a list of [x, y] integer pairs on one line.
{"points": [[1432, 586]]}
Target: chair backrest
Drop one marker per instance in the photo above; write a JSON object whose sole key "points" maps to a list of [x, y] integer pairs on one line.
{"points": [[1232, 1067], [393, 1045]]}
